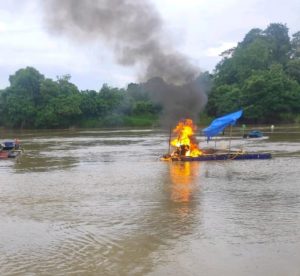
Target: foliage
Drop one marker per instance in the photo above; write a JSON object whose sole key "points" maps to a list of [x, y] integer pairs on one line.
{"points": [[261, 75], [32, 101], [269, 94]]}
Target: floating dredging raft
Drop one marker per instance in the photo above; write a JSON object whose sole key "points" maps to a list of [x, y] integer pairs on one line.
{"points": [[220, 157], [186, 146]]}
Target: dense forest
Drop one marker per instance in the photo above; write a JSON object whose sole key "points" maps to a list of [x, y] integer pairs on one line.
{"points": [[33, 101], [260, 75]]}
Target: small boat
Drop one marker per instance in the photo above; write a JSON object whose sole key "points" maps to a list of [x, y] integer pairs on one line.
{"points": [[10, 145], [10, 149], [254, 134]]}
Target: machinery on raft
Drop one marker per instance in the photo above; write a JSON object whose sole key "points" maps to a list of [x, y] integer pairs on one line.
{"points": [[186, 146]]}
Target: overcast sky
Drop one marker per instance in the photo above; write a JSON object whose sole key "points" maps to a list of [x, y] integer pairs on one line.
{"points": [[201, 29]]}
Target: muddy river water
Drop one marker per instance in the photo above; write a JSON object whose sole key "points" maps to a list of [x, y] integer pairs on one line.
{"points": [[99, 202]]}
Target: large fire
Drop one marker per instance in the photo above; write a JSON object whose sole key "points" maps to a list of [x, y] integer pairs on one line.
{"points": [[185, 142]]}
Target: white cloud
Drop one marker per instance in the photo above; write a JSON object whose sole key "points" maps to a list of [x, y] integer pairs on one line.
{"points": [[216, 51]]}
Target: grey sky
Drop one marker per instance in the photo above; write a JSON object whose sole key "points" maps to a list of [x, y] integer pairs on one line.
{"points": [[201, 29]]}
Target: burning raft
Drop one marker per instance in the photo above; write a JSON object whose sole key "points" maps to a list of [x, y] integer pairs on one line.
{"points": [[186, 145]]}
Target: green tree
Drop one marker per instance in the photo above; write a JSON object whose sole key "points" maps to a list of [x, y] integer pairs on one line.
{"points": [[295, 46], [20, 99], [251, 36], [29, 81], [269, 95], [224, 99], [60, 104], [260, 75], [32, 100], [278, 36], [293, 69], [18, 110]]}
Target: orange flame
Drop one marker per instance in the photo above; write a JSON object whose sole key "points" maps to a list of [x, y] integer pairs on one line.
{"points": [[185, 142]]}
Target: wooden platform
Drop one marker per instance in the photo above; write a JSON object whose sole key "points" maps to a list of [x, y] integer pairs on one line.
{"points": [[224, 156]]}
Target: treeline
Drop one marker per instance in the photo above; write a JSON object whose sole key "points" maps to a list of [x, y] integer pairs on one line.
{"points": [[33, 101], [261, 75]]}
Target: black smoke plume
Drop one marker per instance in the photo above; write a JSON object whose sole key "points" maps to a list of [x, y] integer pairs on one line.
{"points": [[178, 101], [134, 30]]}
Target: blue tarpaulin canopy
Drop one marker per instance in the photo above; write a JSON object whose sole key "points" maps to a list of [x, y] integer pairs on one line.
{"points": [[219, 124]]}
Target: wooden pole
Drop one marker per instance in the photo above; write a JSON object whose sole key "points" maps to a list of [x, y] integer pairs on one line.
{"points": [[230, 133], [170, 134]]}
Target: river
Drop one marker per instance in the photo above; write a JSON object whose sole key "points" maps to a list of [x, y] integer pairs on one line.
{"points": [[99, 202]]}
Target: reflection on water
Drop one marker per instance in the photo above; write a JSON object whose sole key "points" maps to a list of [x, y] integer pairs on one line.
{"points": [[101, 203], [184, 176], [170, 217]]}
